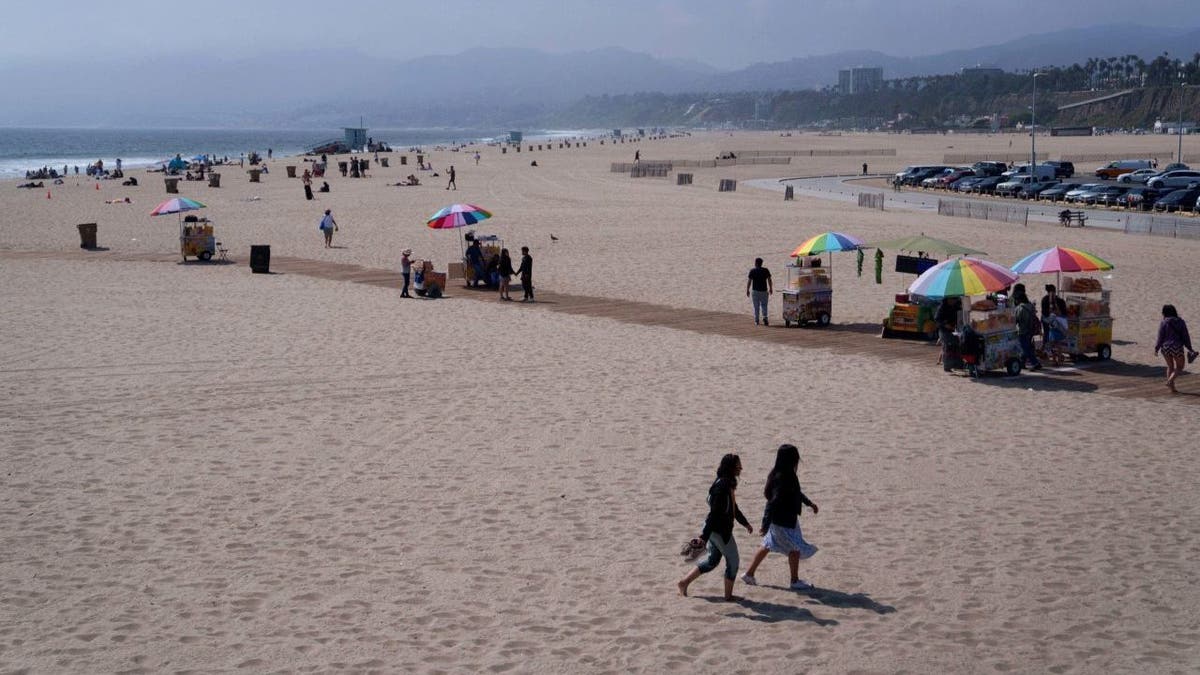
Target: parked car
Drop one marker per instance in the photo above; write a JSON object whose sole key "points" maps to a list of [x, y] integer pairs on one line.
{"points": [[1141, 198], [1178, 200], [1175, 166], [1090, 196], [1063, 169], [1056, 192], [1179, 178], [1107, 196], [1032, 190], [1017, 184], [989, 168], [953, 175], [1139, 176], [1044, 170], [987, 186], [1122, 166], [965, 183], [1071, 195], [913, 175]]}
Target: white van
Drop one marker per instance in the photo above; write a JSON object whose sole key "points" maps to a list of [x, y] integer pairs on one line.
{"points": [[1120, 167]]}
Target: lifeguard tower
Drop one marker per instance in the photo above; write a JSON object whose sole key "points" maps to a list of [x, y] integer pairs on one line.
{"points": [[356, 137]]}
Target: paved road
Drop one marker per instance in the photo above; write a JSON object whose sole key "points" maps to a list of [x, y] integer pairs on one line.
{"points": [[847, 189]]}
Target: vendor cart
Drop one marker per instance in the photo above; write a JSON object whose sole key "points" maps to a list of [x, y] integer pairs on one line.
{"points": [[808, 296], [1089, 321], [487, 270], [196, 238], [912, 318], [989, 340]]}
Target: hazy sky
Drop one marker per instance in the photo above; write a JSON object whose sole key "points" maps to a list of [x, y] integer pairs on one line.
{"points": [[722, 33]]}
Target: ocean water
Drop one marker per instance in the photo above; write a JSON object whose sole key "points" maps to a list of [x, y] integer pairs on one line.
{"points": [[22, 149]]}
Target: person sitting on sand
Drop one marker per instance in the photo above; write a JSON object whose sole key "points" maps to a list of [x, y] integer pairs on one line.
{"points": [[324, 187], [32, 185], [131, 181]]}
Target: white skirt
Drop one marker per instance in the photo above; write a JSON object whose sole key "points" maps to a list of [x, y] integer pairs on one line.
{"points": [[788, 539]]}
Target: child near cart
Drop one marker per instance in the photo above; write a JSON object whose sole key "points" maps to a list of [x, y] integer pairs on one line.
{"points": [[1056, 338]]}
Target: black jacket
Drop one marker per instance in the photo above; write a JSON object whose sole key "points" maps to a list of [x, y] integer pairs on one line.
{"points": [[722, 510], [784, 500]]}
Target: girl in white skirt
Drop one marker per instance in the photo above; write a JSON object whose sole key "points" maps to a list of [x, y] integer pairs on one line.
{"points": [[781, 521]]}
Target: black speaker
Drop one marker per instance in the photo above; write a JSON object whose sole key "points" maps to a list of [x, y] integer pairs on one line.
{"points": [[260, 259]]}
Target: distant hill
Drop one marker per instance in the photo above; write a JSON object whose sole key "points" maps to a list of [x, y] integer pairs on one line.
{"points": [[323, 87]]}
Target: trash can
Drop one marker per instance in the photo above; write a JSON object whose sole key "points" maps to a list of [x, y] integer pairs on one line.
{"points": [[788, 193], [172, 185], [383, 161], [214, 180], [260, 259], [254, 174], [291, 171], [403, 160], [87, 235]]}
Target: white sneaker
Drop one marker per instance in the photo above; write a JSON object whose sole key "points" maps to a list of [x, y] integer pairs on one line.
{"points": [[749, 580], [801, 585]]}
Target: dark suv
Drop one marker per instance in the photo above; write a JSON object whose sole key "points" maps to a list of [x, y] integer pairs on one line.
{"points": [[1062, 169]]}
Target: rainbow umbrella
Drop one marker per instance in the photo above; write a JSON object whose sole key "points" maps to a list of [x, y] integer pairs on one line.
{"points": [[457, 215], [962, 277], [1059, 260], [827, 242], [176, 205]]}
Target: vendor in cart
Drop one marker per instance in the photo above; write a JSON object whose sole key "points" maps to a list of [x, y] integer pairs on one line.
{"points": [[1051, 304], [475, 260], [946, 319]]}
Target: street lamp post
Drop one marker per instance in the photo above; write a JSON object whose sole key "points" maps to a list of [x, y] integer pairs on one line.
{"points": [[1033, 132], [1179, 150]]}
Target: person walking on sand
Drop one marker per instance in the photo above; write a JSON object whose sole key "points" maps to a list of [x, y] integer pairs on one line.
{"points": [[759, 288], [505, 270], [476, 158], [526, 272], [1173, 341], [328, 227], [718, 527], [781, 520], [451, 184], [405, 271]]}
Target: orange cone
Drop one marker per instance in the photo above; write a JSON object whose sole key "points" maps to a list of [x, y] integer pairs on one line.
{"points": [[47, 194], [97, 186]]}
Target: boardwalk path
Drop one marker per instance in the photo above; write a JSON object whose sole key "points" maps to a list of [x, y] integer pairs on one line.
{"points": [[1112, 378]]}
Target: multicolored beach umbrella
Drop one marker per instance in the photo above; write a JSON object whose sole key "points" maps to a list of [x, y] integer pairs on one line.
{"points": [[457, 215], [176, 205], [828, 242], [1059, 259], [962, 277]]}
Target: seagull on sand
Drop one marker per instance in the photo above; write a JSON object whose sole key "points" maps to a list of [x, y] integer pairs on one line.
{"points": [[553, 238]]}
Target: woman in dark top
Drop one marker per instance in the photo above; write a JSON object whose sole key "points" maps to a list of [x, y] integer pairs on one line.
{"points": [[718, 526], [505, 271], [781, 521], [1173, 342]]}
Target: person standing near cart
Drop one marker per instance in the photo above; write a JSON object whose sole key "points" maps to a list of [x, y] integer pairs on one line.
{"points": [[526, 272], [1027, 326], [759, 288], [946, 319], [405, 270], [1052, 304]]}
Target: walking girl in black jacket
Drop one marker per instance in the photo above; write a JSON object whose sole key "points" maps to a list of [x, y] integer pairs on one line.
{"points": [[718, 526], [781, 521]]}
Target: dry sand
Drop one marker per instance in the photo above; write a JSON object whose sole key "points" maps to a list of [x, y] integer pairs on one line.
{"points": [[209, 470]]}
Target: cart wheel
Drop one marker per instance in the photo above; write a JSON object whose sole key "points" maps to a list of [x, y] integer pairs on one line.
{"points": [[823, 319], [886, 332], [1013, 367], [205, 256], [787, 323], [1103, 352]]}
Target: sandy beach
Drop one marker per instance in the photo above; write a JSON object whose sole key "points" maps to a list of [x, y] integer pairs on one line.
{"points": [[209, 470]]}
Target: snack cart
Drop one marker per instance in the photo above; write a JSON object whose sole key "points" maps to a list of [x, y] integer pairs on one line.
{"points": [[196, 238], [996, 347], [808, 295], [912, 316], [1089, 322]]}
